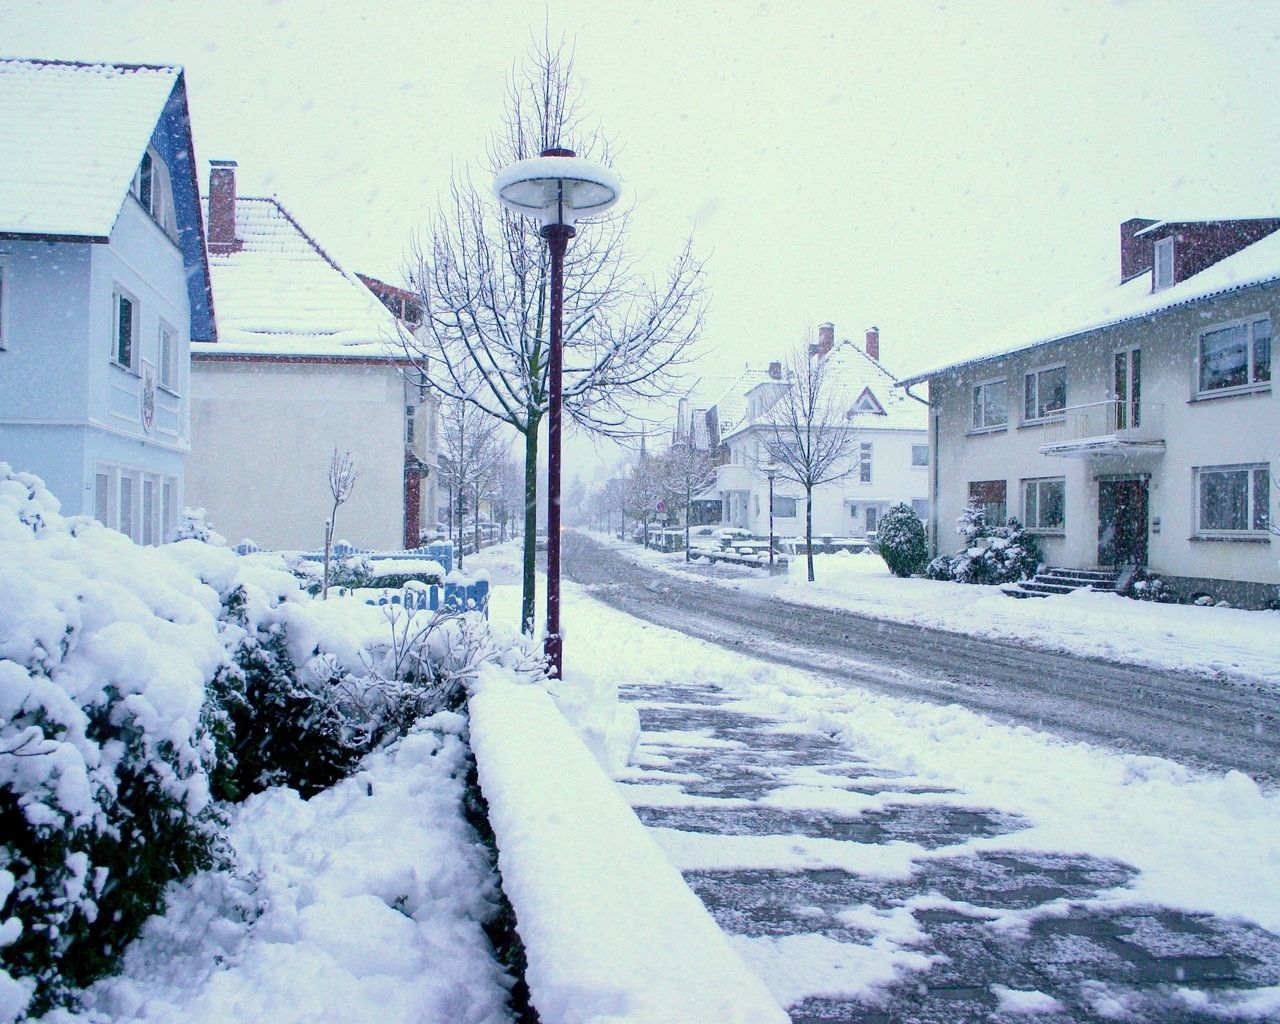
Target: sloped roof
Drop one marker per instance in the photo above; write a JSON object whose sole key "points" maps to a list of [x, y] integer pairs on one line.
{"points": [[1104, 303], [731, 404], [73, 136], [281, 294]]}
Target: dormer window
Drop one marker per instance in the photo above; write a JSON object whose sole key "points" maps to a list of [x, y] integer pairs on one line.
{"points": [[152, 189], [1162, 273]]}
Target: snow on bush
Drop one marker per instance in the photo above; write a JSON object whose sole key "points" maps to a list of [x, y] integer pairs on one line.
{"points": [[137, 686], [992, 554], [901, 541]]}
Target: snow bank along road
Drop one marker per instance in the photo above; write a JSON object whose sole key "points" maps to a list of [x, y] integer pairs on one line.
{"points": [[1200, 721]]}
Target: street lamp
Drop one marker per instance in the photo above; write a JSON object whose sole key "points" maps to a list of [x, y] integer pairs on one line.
{"points": [[559, 188], [771, 472]]}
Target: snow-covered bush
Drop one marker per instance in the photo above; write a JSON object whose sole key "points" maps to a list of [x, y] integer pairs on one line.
{"points": [[1146, 586], [991, 555], [901, 541], [194, 526], [105, 649]]}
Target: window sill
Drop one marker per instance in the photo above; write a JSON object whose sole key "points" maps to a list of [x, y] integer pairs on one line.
{"points": [[168, 390], [1248, 389], [1222, 538], [977, 431], [127, 369], [1046, 533]]}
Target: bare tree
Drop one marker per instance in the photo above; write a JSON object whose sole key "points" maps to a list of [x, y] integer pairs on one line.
{"points": [[483, 279], [690, 470], [807, 432], [646, 488], [470, 448], [342, 481]]}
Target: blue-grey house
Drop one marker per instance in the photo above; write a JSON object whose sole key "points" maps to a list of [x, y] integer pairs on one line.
{"points": [[104, 284]]}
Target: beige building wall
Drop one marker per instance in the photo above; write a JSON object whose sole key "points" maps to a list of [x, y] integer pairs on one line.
{"points": [[263, 433]]}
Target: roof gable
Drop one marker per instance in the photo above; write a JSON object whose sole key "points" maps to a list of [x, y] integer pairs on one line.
{"points": [[74, 135], [866, 402]]}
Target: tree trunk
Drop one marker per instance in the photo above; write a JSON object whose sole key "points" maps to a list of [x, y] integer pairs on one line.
{"points": [[530, 527], [808, 528]]}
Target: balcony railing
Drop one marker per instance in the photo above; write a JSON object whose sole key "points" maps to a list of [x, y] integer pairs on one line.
{"points": [[1106, 428]]}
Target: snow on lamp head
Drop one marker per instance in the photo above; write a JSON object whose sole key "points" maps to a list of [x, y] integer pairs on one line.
{"points": [[558, 187]]}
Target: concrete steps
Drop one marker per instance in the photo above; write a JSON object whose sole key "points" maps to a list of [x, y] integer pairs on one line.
{"points": [[1063, 581]]}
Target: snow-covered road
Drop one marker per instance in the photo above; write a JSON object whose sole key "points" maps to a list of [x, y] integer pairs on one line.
{"points": [[1191, 717]]}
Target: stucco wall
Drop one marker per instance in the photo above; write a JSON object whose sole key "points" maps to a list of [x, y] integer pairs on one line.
{"points": [[262, 437]]}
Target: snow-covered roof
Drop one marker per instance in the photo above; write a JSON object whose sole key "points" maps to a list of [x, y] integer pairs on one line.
{"points": [[281, 294], [73, 136], [731, 404], [1105, 303]]}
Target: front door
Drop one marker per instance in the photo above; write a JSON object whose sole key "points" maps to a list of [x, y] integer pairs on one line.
{"points": [[1122, 522]]}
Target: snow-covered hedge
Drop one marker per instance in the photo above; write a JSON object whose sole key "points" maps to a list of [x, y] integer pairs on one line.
{"points": [[137, 687]]}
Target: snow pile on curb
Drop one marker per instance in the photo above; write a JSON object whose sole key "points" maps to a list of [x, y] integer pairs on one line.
{"points": [[612, 932], [362, 903]]}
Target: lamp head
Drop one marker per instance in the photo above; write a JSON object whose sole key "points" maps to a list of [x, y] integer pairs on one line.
{"points": [[557, 187]]}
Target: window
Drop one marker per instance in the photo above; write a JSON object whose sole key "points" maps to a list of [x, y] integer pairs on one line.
{"points": [[784, 508], [864, 463], [148, 512], [920, 506], [167, 494], [1127, 379], [125, 328], [1163, 265], [1044, 504], [919, 455], [990, 496], [1235, 357], [1233, 500], [168, 357], [990, 405], [873, 518], [102, 498], [152, 189], [1045, 393], [126, 505], [853, 511], [4, 335]]}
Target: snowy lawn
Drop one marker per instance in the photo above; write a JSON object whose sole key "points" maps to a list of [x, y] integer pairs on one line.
{"points": [[1229, 641]]}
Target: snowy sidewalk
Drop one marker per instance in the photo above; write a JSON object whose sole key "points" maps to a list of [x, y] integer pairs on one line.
{"points": [[861, 894]]}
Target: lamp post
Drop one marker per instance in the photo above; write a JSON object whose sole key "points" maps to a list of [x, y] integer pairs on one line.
{"points": [[559, 188], [771, 472]]}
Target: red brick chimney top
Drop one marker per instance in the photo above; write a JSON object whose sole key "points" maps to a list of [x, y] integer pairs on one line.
{"points": [[222, 207], [873, 343], [775, 370], [826, 338]]}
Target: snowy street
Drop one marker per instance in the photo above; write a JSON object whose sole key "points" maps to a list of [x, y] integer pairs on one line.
{"points": [[1212, 722]]}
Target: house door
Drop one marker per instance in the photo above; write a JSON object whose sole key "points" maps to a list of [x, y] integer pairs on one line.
{"points": [[1122, 522]]}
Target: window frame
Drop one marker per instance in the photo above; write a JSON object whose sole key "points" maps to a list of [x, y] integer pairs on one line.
{"points": [[795, 507], [153, 189], [1035, 524], [975, 406], [1043, 415], [1253, 472], [170, 382], [864, 462], [972, 500], [121, 294], [1253, 382], [1161, 247], [916, 448], [4, 302]]}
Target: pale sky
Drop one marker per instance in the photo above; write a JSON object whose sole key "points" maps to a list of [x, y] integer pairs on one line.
{"points": [[935, 169]]}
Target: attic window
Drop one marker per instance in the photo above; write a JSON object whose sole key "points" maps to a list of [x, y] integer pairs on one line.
{"points": [[152, 188], [867, 403], [1163, 270]]}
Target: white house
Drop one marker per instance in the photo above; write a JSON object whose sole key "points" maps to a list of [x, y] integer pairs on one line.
{"points": [[1134, 425], [308, 360], [890, 464], [103, 285]]}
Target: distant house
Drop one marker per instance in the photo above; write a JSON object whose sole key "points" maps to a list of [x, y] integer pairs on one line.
{"points": [[103, 286], [1136, 425], [308, 360], [891, 464]]}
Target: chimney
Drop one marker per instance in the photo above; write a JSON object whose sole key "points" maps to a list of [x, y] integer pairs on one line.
{"points": [[826, 338], [775, 371], [873, 343], [1135, 253], [222, 207]]}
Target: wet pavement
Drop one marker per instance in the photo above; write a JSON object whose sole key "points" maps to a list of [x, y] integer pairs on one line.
{"points": [[991, 935]]}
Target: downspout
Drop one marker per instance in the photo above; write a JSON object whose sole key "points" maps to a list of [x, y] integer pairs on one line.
{"points": [[933, 482]]}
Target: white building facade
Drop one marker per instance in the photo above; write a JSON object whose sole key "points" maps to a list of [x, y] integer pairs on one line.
{"points": [[103, 284], [1139, 428], [889, 463]]}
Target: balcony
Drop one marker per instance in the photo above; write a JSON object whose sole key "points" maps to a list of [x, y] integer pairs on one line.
{"points": [[733, 478], [1106, 428]]}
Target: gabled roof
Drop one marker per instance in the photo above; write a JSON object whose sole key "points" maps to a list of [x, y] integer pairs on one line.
{"points": [[1105, 303], [282, 295], [72, 137], [860, 378]]}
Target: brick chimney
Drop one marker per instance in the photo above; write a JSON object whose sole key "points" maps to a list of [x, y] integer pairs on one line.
{"points": [[1135, 253], [775, 371], [873, 343], [826, 338], [222, 207]]}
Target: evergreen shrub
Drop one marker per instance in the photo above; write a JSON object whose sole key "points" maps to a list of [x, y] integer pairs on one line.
{"points": [[991, 555], [901, 541]]}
